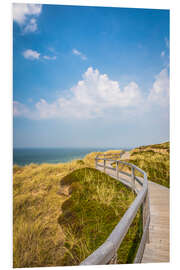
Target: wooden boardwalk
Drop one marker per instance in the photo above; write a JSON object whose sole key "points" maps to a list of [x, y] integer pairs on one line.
{"points": [[157, 250]]}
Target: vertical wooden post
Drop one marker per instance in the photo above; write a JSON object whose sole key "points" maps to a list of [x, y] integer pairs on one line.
{"points": [[148, 212], [117, 170], [114, 259], [104, 165], [133, 178], [145, 214], [96, 163]]}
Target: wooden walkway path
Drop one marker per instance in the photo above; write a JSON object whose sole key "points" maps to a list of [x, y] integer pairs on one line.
{"points": [[157, 250]]}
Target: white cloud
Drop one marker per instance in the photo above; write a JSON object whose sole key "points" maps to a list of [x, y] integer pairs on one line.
{"points": [[30, 54], [159, 93], [20, 109], [162, 53], [167, 42], [49, 57], [98, 89], [76, 52], [34, 55], [165, 54], [31, 26], [22, 11], [90, 97], [23, 14], [96, 96]]}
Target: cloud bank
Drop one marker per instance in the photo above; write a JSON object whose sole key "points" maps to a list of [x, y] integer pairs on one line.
{"points": [[96, 95]]}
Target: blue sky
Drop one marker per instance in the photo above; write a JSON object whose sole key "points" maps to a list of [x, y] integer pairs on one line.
{"points": [[90, 76]]}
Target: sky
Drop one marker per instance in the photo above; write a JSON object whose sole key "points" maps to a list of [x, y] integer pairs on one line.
{"points": [[90, 76]]}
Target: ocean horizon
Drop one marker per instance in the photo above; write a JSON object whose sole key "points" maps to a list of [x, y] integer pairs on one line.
{"points": [[25, 156]]}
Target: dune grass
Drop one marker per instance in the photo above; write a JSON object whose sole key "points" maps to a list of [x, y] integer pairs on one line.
{"points": [[96, 205], [44, 235], [154, 160], [63, 212], [38, 240]]}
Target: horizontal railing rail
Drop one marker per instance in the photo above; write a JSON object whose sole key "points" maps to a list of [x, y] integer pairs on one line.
{"points": [[107, 252]]}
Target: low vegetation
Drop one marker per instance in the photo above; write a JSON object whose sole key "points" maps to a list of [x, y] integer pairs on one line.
{"points": [[37, 237], [96, 205], [154, 160], [63, 212], [43, 195]]}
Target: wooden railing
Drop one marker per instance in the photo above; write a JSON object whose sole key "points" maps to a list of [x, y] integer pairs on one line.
{"points": [[107, 252]]}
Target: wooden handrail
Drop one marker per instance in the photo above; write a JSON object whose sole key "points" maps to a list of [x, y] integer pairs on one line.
{"points": [[107, 252]]}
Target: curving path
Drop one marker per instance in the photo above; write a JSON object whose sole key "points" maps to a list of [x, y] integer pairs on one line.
{"points": [[157, 250]]}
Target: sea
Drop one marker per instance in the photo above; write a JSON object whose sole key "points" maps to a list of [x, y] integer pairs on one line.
{"points": [[25, 156]]}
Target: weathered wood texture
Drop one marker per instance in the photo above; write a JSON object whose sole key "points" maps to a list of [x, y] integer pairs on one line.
{"points": [[157, 250]]}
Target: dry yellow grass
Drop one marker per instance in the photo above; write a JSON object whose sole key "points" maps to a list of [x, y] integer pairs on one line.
{"points": [[38, 199], [154, 160], [38, 239]]}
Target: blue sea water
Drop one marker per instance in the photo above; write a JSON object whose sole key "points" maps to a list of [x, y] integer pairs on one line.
{"points": [[50, 155]]}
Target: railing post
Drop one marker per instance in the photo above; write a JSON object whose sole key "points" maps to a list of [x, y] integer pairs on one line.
{"points": [[96, 162], [148, 212], [114, 259], [145, 214], [117, 170], [133, 178], [104, 165]]}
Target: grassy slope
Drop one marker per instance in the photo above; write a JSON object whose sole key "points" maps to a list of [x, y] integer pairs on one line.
{"points": [[154, 160], [38, 239], [96, 205], [41, 236]]}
